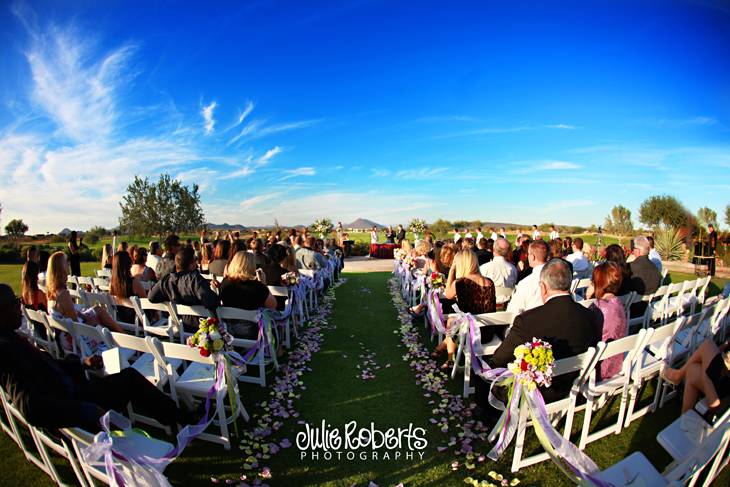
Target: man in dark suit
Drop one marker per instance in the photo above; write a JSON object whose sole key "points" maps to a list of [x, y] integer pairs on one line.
{"points": [[568, 326], [645, 277], [401, 235], [484, 254]]}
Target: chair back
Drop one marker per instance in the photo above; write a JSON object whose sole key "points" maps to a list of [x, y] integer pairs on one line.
{"points": [[497, 318]]}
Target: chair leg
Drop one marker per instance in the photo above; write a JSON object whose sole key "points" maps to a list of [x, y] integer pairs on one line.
{"points": [[220, 406], [457, 357], [467, 374], [586, 423], [520, 439]]}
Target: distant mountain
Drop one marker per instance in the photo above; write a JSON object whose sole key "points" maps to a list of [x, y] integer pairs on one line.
{"points": [[226, 227], [362, 224], [65, 232]]}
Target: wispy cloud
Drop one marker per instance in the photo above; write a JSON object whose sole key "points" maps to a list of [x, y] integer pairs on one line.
{"points": [[502, 130], [270, 154], [300, 171], [422, 173], [245, 113], [700, 121], [255, 201], [527, 167], [445, 118], [207, 113], [381, 173]]}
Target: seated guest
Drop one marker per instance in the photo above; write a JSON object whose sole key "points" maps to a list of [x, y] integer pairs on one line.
{"points": [[582, 267], [567, 246], [32, 254], [610, 312], [305, 254], [139, 265], [154, 256], [527, 294], [167, 262], [519, 259], [217, 266], [242, 289], [615, 253], [422, 250], [54, 393], [206, 257], [442, 263], [257, 247], [654, 256], [277, 265], [474, 294], [707, 371], [185, 286], [568, 326], [60, 302], [31, 294], [499, 270], [645, 278], [124, 285], [43, 258], [106, 256], [484, 253]]}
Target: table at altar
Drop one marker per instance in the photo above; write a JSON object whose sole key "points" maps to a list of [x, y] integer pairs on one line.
{"points": [[383, 251]]}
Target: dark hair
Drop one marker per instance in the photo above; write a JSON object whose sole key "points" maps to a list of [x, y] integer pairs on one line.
{"points": [[578, 243], [43, 257], [30, 278], [235, 247], [607, 278], [276, 253], [184, 259], [121, 281], [221, 249], [72, 237], [9, 308], [556, 249], [154, 247], [171, 242], [140, 256], [31, 252]]}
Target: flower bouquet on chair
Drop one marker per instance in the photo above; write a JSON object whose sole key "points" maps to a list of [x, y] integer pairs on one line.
{"points": [[290, 279], [437, 280], [211, 337], [399, 254]]}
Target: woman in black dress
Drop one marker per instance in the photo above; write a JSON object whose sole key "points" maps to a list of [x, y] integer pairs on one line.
{"points": [[74, 259], [707, 362]]}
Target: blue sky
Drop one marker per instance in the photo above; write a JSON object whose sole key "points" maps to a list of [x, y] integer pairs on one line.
{"points": [[502, 111]]}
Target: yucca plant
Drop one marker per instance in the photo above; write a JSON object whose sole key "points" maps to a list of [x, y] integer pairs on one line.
{"points": [[668, 242]]}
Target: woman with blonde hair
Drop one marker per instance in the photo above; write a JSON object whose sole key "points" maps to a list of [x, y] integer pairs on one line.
{"points": [[242, 288], [442, 262], [60, 302], [474, 294], [106, 256], [422, 249]]}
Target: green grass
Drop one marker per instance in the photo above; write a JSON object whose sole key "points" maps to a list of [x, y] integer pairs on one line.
{"points": [[392, 399]]}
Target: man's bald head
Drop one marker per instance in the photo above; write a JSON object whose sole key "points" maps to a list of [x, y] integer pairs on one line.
{"points": [[501, 247]]}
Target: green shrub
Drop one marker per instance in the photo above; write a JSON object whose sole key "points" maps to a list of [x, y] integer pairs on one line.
{"points": [[10, 254], [58, 239], [668, 242]]}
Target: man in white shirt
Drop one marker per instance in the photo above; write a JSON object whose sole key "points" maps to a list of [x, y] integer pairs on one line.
{"points": [[502, 232], [468, 233], [480, 236], [499, 270], [654, 256], [493, 235], [554, 235], [535, 233], [457, 235], [527, 293], [582, 267]]}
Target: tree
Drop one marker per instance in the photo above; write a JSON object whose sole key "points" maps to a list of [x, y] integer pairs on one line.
{"points": [[16, 228], [663, 210], [727, 215], [619, 221], [160, 209], [706, 216]]}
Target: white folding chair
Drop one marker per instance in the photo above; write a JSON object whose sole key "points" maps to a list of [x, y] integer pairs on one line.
{"points": [[229, 315], [627, 300], [38, 330], [565, 407], [647, 366], [101, 283], [196, 381], [687, 432], [597, 392], [685, 472], [503, 294], [289, 321], [104, 273], [166, 325], [498, 318]]}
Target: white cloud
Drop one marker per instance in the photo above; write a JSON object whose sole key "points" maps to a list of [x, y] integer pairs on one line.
{"points": [[564, 126], [245, 113], [255, 201], [300, 171], [422, 173], [380, 172], [207, 113], [557, 166], [270, 154], [257, 129]]}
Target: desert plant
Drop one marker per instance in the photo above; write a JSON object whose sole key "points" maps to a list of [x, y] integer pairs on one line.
{"points": [[668, 242]]}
